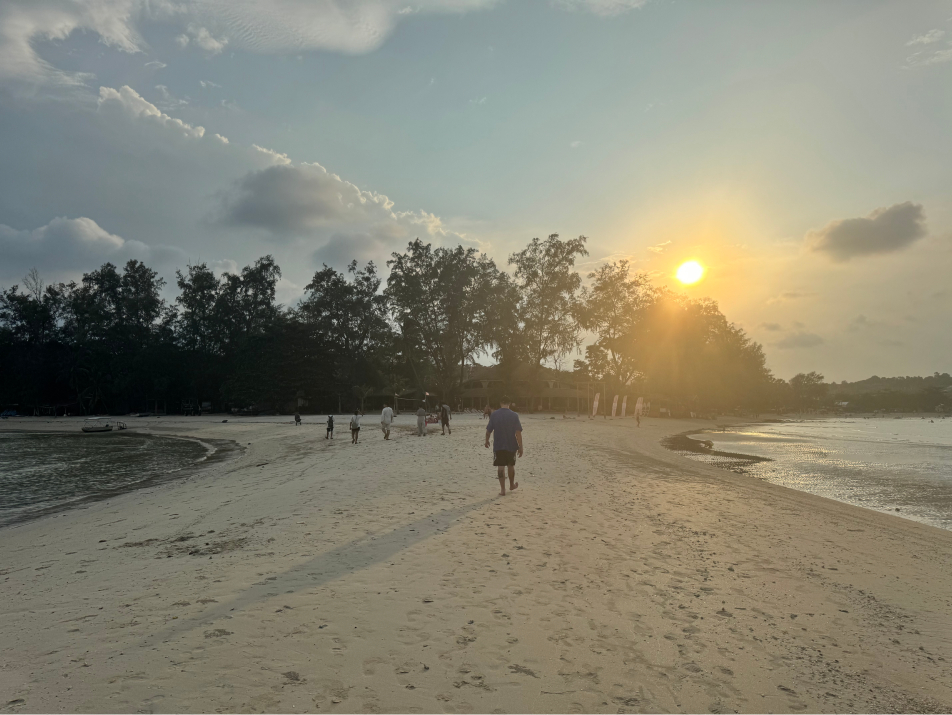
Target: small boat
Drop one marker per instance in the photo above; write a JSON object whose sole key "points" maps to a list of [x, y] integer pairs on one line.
{"points": [[102, 424]]}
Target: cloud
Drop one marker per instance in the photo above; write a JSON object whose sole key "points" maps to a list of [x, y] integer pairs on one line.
{"points": [[201, 37], [799, 340], [306, 202], [660, 247], [772, 327], [67, 244], [928, 38], [604, 8], [156, 65], [885, 230], [576, 144], [787, 296], [130, 102], [23, 22], [268, 27], [208, 84], [858, 323], [481, 100], [167, 100]]}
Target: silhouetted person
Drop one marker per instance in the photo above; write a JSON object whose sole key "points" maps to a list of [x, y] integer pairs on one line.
{"points": [[445, 419], [506, 429]]}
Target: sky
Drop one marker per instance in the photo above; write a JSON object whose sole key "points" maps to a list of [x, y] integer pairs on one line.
{"points": [[799, 150]]}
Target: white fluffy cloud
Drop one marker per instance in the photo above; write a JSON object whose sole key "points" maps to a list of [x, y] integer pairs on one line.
{"points": [[70, 246], [131, 102], [264, 26], [605, 8], [23, 22], [885, 230]]}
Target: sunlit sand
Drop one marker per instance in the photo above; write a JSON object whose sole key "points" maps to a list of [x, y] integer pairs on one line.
{"points": [[311, 575]]}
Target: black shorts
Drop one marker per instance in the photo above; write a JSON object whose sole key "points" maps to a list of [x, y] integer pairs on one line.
{"points": [[504, 458]]}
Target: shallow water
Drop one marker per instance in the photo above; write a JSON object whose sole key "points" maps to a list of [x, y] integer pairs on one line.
{"points": [[39, 472], [881, 464]]}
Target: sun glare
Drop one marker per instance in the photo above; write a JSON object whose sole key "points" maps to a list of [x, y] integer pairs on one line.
{"points": [[690, 272]]}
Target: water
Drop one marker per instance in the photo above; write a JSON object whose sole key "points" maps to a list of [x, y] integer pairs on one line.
{"points": [[41, 472], [881, 464]]}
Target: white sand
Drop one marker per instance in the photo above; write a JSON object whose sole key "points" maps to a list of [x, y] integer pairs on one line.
{"points": [[388, 576]]}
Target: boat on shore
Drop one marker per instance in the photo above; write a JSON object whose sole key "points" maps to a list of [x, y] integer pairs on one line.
{"points": [[103, 424]]}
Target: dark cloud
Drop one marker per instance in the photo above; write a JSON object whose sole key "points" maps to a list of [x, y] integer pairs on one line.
{"points": [[772, 327], [297, 199], [799, 340], [64, 245], [885, 230]]}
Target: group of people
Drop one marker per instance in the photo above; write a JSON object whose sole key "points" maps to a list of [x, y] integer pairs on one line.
{"points": [[504, 427], [386, 422]]}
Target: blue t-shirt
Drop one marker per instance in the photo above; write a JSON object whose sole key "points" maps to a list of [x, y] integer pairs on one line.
{"points": [[504, 423]]}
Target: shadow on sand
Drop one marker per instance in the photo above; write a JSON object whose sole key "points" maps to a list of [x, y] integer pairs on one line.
{"points": [[328, 566]]}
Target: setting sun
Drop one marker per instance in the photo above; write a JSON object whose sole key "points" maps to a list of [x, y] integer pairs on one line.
{"points": [[690, 272]]}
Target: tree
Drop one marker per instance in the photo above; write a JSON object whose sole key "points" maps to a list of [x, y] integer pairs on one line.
{"points": [[548, 307], [440, 300], [613, 309], [350, 318], [808, 388]]}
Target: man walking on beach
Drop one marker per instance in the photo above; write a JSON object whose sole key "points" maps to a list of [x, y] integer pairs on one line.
{"points": [[386, 419], [506, 428], [355, 427], [445, 418]]}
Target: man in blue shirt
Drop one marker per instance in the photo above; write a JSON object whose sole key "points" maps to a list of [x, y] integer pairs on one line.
{"points": [[507, 441]]}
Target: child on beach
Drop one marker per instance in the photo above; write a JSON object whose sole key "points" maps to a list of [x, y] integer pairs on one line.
{"points": [[330, 427], [355, 427], [297, 419]]}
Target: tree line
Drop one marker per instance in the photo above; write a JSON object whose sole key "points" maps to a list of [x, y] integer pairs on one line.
{"points": [[112, 343]]}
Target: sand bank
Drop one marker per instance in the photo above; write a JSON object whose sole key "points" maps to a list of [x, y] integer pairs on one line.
{"points": [[309, 575]]}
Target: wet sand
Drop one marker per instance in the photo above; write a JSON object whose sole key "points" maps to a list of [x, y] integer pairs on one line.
{"points": [[309, 575]]}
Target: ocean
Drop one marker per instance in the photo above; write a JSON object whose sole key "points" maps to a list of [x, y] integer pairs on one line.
{"points": [[42, 472], [902, 466]]}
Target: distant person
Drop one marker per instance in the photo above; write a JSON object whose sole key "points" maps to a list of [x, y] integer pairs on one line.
{"points": [[638, 419], [506, 429], [297, 419], [386, 419], [487, 411], [445, 419], [330, 427], [355, 427], [421, 420]]}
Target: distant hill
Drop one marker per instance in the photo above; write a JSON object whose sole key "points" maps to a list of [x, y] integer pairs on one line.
{"points": [[907, 384]]}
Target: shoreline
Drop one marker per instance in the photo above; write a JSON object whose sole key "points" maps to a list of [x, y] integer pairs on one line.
{"points": [[310, 575], [217, 450]]}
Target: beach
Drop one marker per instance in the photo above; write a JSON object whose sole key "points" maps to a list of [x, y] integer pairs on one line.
{"points": [[303, 574]]}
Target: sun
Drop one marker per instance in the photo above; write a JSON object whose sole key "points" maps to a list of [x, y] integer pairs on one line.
{"points": [[690, 272]]}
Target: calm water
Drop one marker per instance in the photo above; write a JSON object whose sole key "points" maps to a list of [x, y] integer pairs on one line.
{"points": [[880, 464], [43, 471]]}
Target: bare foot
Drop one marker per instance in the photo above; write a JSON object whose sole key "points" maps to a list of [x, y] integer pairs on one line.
{"points": [[502, 494], [513, 487]]}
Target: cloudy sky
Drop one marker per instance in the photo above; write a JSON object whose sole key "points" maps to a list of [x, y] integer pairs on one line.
{"points": [[800, 150]]}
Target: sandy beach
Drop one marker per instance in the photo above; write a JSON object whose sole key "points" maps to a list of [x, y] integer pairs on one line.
{"points": [[304, 574]]}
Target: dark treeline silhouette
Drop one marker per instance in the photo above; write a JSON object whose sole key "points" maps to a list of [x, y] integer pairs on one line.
{"points": [[111, 343]]}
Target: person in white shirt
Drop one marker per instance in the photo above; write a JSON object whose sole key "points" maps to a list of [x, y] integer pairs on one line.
{"points": [[386, 419], [355, 427]]}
